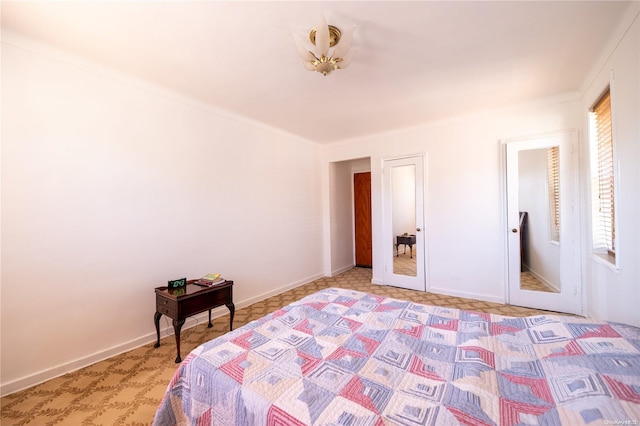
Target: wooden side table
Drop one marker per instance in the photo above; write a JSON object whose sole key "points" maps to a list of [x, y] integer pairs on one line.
{"points": [[192, 299]]}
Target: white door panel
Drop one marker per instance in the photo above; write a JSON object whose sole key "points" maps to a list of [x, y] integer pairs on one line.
{"points": [[404, 247], [543, 223]]}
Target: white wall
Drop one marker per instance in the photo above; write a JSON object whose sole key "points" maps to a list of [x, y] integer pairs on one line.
{"points": [[614, 293], [341, 217], [464, 202], [110, 187]]}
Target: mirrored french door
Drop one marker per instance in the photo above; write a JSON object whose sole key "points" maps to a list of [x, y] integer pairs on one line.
{"points": [[404, 246], [543, 224]]}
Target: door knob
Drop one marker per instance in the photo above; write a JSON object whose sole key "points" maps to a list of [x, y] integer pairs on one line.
{"points": [[514, 230], [418, 229]]}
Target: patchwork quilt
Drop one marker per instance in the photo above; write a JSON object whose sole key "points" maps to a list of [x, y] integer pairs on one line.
{"points": [[342, 357]]}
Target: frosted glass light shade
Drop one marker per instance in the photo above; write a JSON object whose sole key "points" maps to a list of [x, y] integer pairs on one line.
{"points": [[327, 49]]}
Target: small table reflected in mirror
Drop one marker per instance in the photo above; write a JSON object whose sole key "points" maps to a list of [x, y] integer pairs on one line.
{"points": [[406, 240]]}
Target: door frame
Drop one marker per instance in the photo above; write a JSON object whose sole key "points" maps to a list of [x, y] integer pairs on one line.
{"points": [[571, 283], [419, 282]]}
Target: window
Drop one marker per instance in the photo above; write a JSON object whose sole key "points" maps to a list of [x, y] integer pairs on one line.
{"points": [[602, 178], [553, 184]]}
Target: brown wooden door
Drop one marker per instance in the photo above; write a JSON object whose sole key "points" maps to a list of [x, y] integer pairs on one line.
{"points": [[362, 215]]}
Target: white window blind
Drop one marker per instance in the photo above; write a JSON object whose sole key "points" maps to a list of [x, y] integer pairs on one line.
{"points": [[553, 184], [604, 232]]}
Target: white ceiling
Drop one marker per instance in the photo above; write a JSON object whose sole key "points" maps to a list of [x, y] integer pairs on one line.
{"points": [[413, 62]]}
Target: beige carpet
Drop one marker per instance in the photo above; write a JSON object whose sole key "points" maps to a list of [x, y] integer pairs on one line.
{"points": [[126, 389], [404, 263], [529, 282]]}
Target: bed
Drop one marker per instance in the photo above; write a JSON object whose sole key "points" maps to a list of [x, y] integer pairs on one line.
{"points": [[343, 357]]}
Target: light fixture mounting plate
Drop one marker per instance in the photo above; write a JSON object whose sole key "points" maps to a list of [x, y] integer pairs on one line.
{"points": [[334, 35]]}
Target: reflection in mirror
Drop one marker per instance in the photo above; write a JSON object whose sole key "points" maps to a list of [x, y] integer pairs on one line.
{"points": [[403, 219], [539, 205]]}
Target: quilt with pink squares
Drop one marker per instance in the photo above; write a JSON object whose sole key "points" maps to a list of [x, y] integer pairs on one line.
{"points": [[342, 357]]}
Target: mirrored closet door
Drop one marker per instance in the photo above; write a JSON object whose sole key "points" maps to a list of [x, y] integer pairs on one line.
{"points": [[543, 223], [403, 223]]}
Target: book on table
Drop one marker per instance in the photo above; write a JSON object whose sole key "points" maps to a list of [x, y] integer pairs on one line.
{"points": [[210, 280]]}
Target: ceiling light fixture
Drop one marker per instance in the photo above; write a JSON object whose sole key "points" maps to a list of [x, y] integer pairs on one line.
{"points": [[331, 48]]}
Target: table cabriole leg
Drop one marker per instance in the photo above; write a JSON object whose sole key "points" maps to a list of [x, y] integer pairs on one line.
{"points": [[156, 320], [177, 326], [232, 311]]}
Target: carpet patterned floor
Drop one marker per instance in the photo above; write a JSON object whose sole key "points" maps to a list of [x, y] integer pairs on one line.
{"points": [[529, 282], [405, 264], [126, 389]]}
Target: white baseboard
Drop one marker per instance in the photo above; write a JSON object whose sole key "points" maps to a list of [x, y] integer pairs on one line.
{"points": [[340, 270], [68, 367], [467, 295], [166, 330], [275, 292]]}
